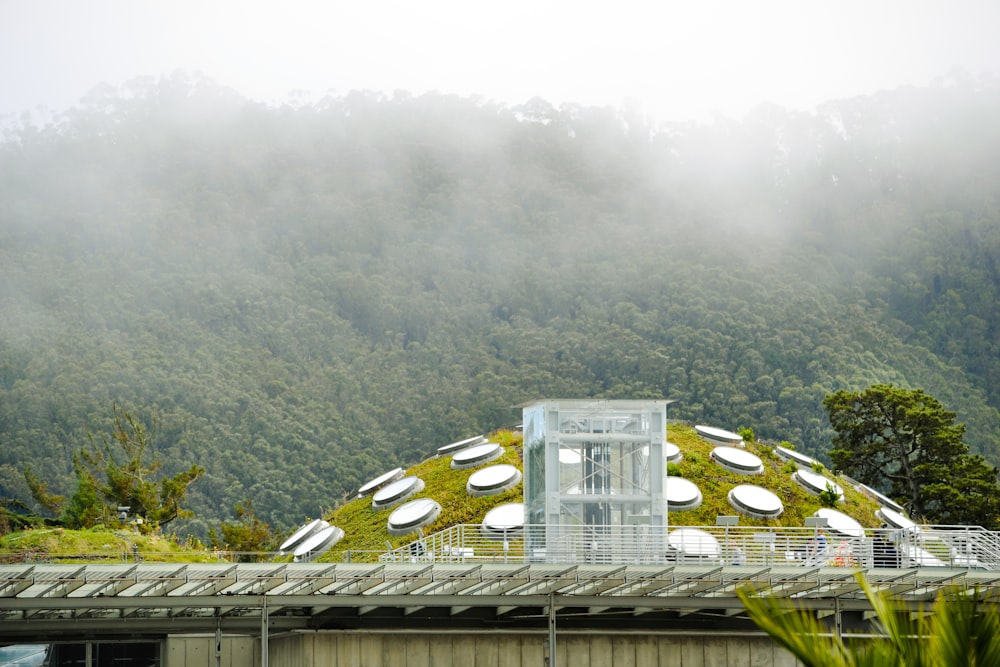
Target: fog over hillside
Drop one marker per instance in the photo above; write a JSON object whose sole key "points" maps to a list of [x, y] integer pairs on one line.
{"points": [[306, 295], [671, 61]]}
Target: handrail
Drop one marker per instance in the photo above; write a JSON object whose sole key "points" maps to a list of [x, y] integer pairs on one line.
{"points": [[971, 547], [920, 546]]}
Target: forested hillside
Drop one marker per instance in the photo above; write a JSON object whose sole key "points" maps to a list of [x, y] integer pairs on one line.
{"points": [[304, 296]]}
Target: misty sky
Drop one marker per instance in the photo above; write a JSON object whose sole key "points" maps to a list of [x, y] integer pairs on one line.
{"points": [[674, 60]]}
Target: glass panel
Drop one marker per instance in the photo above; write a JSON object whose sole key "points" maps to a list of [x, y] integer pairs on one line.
{"points": [[593, 468], [24, 655], [534, 464], [106, 654]]}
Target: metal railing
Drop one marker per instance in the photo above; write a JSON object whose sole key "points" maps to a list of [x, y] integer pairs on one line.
{"points": [[922, 546], [969, 547]]}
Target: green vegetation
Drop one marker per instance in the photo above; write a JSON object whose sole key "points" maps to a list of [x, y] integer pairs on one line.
{"points": [[906, 437], [61, 545], [109, 490], [306, 295], [960, 628], [365, 528], [715, 483], [829, 496], [248, 536]]}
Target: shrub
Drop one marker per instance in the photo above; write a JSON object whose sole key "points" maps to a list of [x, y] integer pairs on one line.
{"points": [[829, 497]]}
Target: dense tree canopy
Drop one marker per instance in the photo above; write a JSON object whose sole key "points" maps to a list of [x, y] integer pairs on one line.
{"points": [[905, 443], [307, 295]]}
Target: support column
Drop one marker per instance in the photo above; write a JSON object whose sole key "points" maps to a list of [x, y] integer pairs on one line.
{"points": [[263, 631], [550, 659], [837, 620], [218, 642]]}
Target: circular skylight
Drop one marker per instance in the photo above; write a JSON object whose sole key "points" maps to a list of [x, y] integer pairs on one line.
{"points": [[413, 515], [792, 455], [301, 534], [380, 481], [719, 436], [672, 453], [922, 557], [756, 501], [895, 519], [839, 522], [739, 461], [493, 480], [476, 455], [682, 494], [397, 492], [693, 542], [503, 520], [317, 543], [815, 483], [885, 500], [447, 450]]}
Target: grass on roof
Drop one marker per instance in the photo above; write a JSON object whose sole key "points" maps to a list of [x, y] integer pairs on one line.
{"points": [[96, 544], [366, 535], [365, 529]]}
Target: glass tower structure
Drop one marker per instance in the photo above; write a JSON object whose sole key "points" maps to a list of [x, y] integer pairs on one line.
{"points": [[594, 474]]}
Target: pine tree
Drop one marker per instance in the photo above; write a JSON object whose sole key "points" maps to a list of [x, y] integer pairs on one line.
{"points": [[903, 442]]}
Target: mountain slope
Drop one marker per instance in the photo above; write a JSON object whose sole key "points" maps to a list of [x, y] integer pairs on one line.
{"points": [[299, 295]]}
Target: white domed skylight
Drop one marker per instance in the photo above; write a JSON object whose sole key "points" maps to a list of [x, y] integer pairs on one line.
{"points": [[921, 557], [693, 542], [413, 515], [476, 455], [739, 461], [885, 500], [794, 456], [719, 436], [503, 520], [756, 502], [815, 483], [895, 519], [493, 480], [397, 492], [301, 534], [380, 481], [447, 450], [840, 523], [682, 494], [317, 543]]}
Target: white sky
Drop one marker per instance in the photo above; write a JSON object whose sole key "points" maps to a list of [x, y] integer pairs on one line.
{"points": [[675, 60]]}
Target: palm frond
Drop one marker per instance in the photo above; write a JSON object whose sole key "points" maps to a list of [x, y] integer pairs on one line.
{"points": [[796, 629], [962, 628], [965, 630], [900, 633]]}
